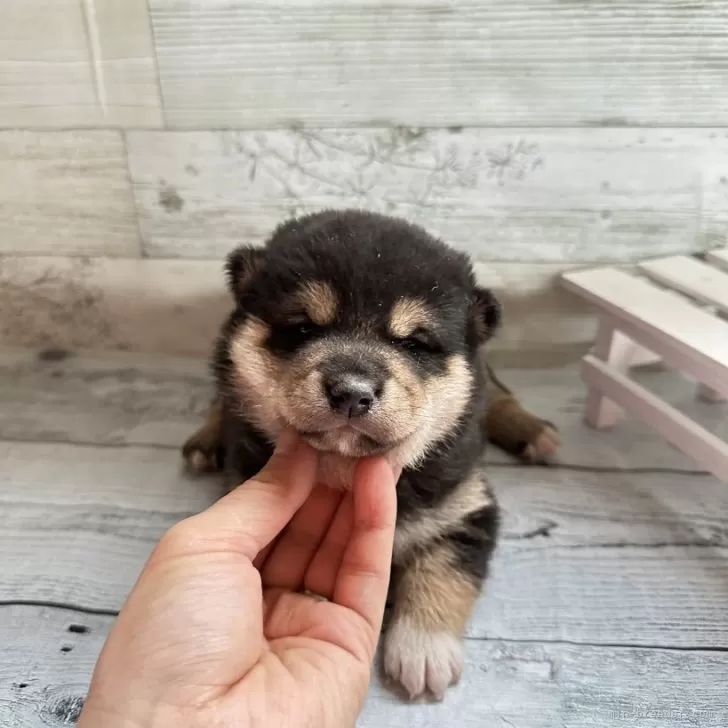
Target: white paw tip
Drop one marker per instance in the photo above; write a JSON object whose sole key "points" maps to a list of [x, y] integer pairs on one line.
{"points": [[422, 662], [198, 462]]}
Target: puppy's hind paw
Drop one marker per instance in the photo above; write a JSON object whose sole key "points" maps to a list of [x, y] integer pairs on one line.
{"points": [[199, 458], [544, 445]]}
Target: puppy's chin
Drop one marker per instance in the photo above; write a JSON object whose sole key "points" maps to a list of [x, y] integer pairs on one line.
{"points": [[344, 441], [337, 471], [341, 450]]}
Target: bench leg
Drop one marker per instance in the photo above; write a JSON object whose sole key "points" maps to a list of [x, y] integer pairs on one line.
{"points": [[620, 352], [706, 393]]}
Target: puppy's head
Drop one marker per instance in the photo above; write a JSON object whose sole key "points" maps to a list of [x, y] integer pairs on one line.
{"points": [[359, 331]]}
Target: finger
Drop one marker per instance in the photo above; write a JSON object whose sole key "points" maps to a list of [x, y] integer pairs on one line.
{"points": [[289, 558], [363, 578], [321, 574], [259, 560], [248, 518]]}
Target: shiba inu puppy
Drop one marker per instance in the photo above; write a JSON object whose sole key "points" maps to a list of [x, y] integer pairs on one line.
{"points": [[366, 335]]}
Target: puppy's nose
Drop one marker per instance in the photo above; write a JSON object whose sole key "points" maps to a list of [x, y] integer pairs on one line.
{"points": [[351, 396]]}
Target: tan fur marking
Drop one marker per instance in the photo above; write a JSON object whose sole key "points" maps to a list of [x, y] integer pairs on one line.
{"points": [[434, 595], [199, 449], [511, 427], [319, 301], [407, 315], [258, 374], [470, 496], [445, 398]]}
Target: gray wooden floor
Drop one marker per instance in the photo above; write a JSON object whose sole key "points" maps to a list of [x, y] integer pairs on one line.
{"points": [[607, 604]]}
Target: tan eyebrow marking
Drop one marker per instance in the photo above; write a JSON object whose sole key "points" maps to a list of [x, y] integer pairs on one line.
{"points": [[408, 315], [319, 301]]}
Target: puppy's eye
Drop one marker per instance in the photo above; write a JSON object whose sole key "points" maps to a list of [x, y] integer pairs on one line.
{"points": [[420, 342], [304, 329], [301, 330]]}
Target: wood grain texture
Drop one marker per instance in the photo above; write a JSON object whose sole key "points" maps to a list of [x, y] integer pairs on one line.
{"points": [[83, 520], [66, 193], [719, 257], [599, 576], [706, 284], [119, 399], [521, 195], [57, 395], [103, 303], [103, 512], [42, 685], [89, 63], [504, 684], [531, 62], [656, 316], [707, 450], [177, 306]]}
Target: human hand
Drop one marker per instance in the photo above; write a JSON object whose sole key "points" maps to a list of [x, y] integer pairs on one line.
{"points": [[217, 632]]}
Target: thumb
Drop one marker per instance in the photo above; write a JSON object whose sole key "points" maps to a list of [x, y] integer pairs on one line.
{"points": [[248, 518]]}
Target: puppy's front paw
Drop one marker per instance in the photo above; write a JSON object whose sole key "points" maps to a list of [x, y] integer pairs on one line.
{"points": [[422, 662]]}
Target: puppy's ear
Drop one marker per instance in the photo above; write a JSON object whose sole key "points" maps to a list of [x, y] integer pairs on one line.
{"points": [[241, 267], [485, 312]]}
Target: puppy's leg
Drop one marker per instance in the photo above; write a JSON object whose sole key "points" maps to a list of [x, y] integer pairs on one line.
{"points": [[434, 598], [513, 429], [203, 451]]}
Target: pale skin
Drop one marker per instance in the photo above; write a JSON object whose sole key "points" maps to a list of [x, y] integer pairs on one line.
{"points": [[217, 630]]}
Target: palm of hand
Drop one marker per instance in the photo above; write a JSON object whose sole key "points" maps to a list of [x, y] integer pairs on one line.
{"points": [[218, 632]]}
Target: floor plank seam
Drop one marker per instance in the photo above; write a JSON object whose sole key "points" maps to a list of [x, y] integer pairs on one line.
{"points": [[59, 605], [112, 613], [577, 467], [622, 544], [597, 645], [580, 467]]}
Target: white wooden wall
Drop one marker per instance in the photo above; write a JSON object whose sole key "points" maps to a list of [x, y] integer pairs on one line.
{"points": [[140, 141]]}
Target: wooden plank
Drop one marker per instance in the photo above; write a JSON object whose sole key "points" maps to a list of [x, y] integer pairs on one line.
{"points": [[177, 306], [701, 282], [42, 681], [632, 595], [517, 195], [55, 395], [246, 64], [684, 335], [83, 64], [527, 685], [131, 399], [101, 303], [718, 257], [561, 686], [591, 509], [122, 50], [66, 193], [82, 521], [707, 450]]}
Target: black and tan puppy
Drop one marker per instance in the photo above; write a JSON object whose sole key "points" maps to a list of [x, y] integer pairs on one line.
{"points": [[365, 334]]}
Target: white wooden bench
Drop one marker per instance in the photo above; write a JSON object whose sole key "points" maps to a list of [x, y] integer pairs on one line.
{"points": [[673, 310]]}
